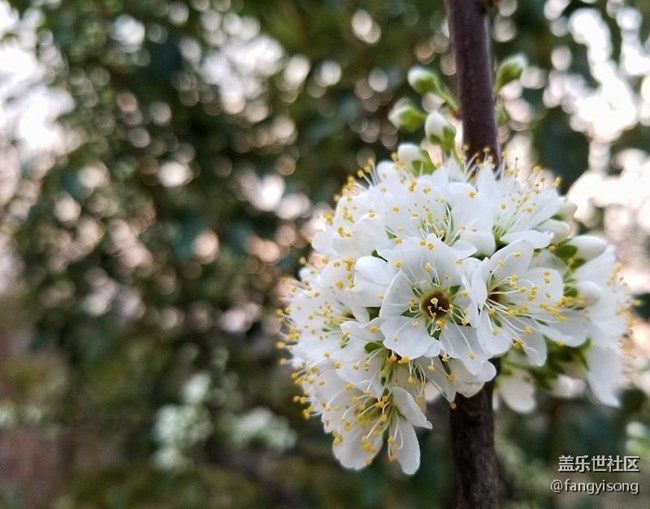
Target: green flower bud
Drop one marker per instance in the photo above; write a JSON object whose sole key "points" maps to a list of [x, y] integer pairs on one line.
{"points": [[440, 131], [406, 116], [510, 70], [424, 81]]}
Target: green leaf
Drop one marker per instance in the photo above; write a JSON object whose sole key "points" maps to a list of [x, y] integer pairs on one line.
{"points": [[371, 347]]}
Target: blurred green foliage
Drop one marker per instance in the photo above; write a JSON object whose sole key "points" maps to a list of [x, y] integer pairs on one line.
{"points": [[202, 134]]}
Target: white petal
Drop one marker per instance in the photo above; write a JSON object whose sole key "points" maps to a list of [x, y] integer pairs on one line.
{"points": [[408, 454], [513, 259], [486, 182], [371, 280], [482, 240], [437, 377], [444, 258], [590, 292], [373, 269], [461, 343], [603, 374], [322, 243], [537, 239], [408, 337], [535, 348], [477, 289], [350, 453], [493, 345], [548, 291], [570, 333], [409, 153], [559, 229], [398, 293], [467, 383], [411, 257], [368, 235], [409, 409], [517, 391]]}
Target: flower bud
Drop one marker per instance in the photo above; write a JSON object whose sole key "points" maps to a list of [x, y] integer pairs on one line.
{"points": [[566, 387], [414, 157], [406, 116], [567, 210], [587, 247], [559, 229], [408, 153], [424, 81], [510, 70], [589, 291], [439, 130]]}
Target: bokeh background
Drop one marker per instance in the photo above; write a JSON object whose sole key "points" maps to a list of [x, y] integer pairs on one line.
{"points": [[163, 164]]}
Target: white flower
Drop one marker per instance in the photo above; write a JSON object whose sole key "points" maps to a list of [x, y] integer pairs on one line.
{"points": [[596, 303], [424, 308], [426, 272], [351, 231], [319, 306], [359, 422], [517, 304], [521, 209]]}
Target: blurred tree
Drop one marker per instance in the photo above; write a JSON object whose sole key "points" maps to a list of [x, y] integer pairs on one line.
{"points": [[202, 136]]}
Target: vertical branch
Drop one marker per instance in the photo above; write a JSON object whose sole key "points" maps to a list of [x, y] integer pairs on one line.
{"points": [[476, 476], [472, 421], [471, 44]]}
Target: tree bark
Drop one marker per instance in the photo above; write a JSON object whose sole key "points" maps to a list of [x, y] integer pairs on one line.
{"points": [[476, 478], [468, 28]]}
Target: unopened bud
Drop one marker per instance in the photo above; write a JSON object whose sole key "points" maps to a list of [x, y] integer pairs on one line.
{"points": [[568, 210], [510, 70], [590, 292], [424, 81], [415, 157], [587, 247], [406, 116], [559, 229], [408, 153], [439, 130]]}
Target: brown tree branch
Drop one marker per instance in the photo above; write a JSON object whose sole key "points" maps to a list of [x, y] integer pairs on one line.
{"points": [[472, 421], [468, 27]]}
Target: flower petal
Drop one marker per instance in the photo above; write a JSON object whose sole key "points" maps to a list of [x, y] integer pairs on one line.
{"points": [[408, 337], [517, 391], [408, 452], [409, 409], [603, 374]]}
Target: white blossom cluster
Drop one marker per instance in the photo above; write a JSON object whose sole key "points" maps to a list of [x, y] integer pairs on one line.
{"points": [[423, 274]]}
